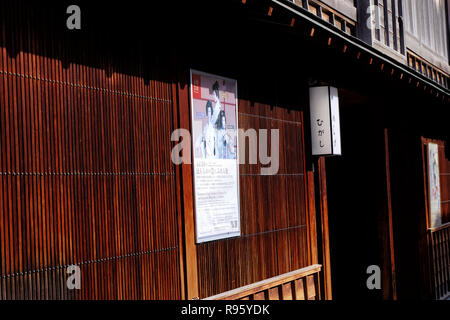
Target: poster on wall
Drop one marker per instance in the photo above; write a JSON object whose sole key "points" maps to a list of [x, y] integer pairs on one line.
{"points": [[434, 185], [214, 109]]}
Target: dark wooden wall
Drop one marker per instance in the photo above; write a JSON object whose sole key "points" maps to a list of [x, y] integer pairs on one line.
{"points": [[85, 170], [86, 176]]}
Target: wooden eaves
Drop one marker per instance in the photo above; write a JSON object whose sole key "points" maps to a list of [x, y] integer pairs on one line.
{"points": [[360, 46]]}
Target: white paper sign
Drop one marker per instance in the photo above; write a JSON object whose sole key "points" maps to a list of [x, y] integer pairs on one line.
{"points": [[216, 165], [325, 121], [434, 185]]}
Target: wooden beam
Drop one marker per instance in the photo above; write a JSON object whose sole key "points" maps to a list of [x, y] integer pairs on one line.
{"points": [[325, 241], [192, 290], [390, 223], [312, 218], [178, 178], [310, 203]]}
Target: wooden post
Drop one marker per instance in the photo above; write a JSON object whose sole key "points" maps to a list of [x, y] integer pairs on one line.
{"points": [[179, 179], [325, 241], [186, 191], [392, 292], [312, 218]]}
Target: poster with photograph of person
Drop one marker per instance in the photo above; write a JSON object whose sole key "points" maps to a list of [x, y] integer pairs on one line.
{"points": [[434, 185], [215, 148]]}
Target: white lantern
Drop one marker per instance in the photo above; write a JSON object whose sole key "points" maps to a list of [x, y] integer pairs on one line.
{"points": [[325, 122]]}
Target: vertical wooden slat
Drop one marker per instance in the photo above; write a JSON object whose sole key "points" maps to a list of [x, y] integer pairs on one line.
{"points": [[187, 185], [310, 288], [317, 286], [393, 282], [260, 296], [325, 230], [299, 289], [287, 291], [4, 129], [273, 294], [77, 149]]}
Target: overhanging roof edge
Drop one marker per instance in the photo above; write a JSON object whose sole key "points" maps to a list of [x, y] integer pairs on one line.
{"points": [[361, 45]]}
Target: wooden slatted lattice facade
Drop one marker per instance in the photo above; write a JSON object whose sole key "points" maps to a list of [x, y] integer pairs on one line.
{"points": [[273, 212], [87, 179], [86, 175]]}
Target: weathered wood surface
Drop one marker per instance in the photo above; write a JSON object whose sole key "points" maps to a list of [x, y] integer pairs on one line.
{"points": [[86, 177], [301, 284]]}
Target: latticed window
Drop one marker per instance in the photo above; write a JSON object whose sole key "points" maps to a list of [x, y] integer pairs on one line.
{"points": [[329, 14], [425, 20], [388, 28]]}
